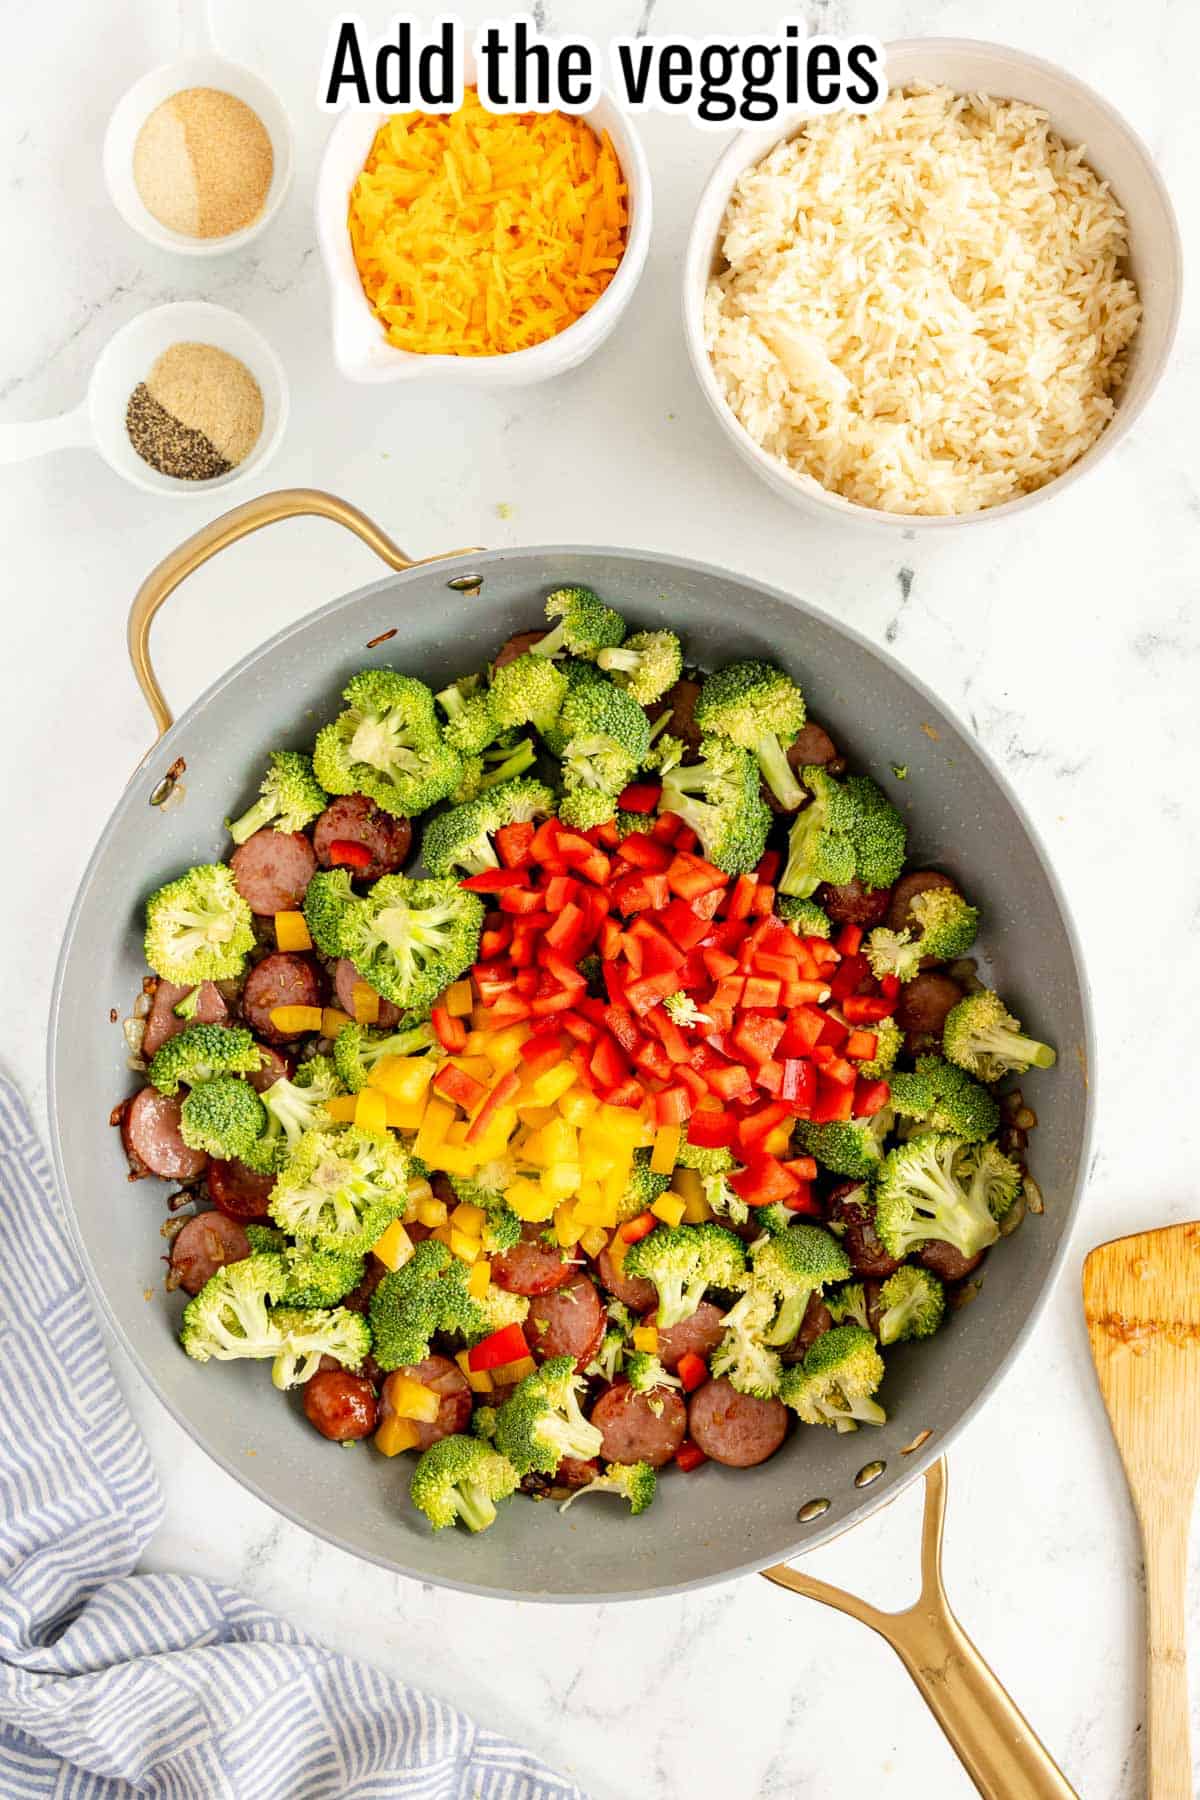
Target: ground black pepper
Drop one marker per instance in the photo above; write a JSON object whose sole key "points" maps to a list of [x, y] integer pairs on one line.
{"points": [[171, 448]]}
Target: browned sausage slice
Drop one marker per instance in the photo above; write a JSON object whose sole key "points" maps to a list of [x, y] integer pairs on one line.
{"points": [[634, 1431], [854, 904], [341, 1406], [698, 1335], [281, 979], [241, 1193], [850, 1205], [204, 1245], [152, 1138], [680, 702], [922, 1008], [947, 1263], [532, 1266], [568, 1321], [359, 1298], [453, 1390], [162, 1021], [272, 870], [638, 1294], [517, 645], [738, 1430], [344, 977], [816, 1321], [811, 747], [919, 881], [571, 1472], [273, 1067], [353, 819]]}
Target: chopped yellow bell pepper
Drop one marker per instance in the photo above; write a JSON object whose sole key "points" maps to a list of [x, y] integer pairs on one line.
{"points": [[561, 1180], [669, 1208], [551, 1085], [504, 1051], [452, 1159], [468, 1218], [645, 1337], [479, 1380], [395, 1246], [776, 1142], [529, 1200], [291, 932], [439, 1116], [364, 1002], [593, 1240], [291, 1020], [697, 1212], [577, 1106], [432, 1212], [411, 1399], [406, 1115], [463, 1245], [509, 1373], [395, 1435], [480, 1279], [567, 1228], [688, 1185], [342, 1108], [370, 1111], [667, 1140], [537, 1116], [402, 1077], [333, 1020], [458, 1000]]}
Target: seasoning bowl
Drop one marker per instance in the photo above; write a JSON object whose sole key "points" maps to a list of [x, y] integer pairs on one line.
{"points": [[1079, 116], [361, 350], [99, 422], [204, 69]]}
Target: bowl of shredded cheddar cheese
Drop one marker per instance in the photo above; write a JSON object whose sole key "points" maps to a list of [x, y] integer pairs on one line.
{"points": [[489, 248]]}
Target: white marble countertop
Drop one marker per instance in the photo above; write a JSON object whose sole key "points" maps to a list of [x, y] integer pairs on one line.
{"points": [[1070, 645]]}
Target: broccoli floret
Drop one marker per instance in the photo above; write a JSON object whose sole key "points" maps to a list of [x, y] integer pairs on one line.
{"points": [[408, 938], [309, 1334], [791, 1267], [528, 691], [483, 1423], [945, 1098], [470, 723], [947, 925], [200, 1052], [341, 1188], [718, 797], [983, 1037], [721, 1198], [847, 1146], [892, 953], [877, 833], [425, 1295], [506, 760], [805, 917], [585, 625], [819, 844], [705, 1161], [995, 1179], [498, 1308], [461, 1478], [774, 1218], [912, 1305], [223, 1117], [607, 736], [501, 1226], [635, 1482], [584, 808], [266, 1237], [230, 1316], [889, 1040], [644, 1373], [835, 1382], [577, 675], [290, 796], [925, 1191], [293, 1107], [460, 841], [741, 1356], [646, 665], [608, 1357], [316, 1277], [761, 709], [357, 1050], [387, 745], [683, 1009], [198, 928], [683, 1261], [541, 1422], [642, 1188], [628, 822], [848, 1304]]}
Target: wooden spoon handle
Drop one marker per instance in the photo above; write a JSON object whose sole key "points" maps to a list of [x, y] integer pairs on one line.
{"points": [[1165, 1546]]}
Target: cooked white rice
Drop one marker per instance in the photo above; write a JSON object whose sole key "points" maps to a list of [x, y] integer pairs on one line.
{"points": [[925, 308]]}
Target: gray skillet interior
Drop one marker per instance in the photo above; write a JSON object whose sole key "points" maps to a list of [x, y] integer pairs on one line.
{"points": [[711, 1524]]}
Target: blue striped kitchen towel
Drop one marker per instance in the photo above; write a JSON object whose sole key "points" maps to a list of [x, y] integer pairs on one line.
{"points": [[114, 1684]]}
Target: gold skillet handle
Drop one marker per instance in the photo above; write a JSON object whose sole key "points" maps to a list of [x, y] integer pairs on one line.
{"points": [[997, 1746], [252, 515]]}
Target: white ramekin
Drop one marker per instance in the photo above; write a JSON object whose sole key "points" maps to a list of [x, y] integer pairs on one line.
{"points": [[360, 348], [1080, 116]]}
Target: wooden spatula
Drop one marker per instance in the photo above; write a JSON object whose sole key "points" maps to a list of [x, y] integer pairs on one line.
{"points": [[1141, 1298]]}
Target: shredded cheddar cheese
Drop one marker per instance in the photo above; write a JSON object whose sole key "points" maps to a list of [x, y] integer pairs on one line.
{"points": [[477, 233]]}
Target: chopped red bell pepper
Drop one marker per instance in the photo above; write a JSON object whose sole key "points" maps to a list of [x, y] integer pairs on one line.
{"points": [[799, 1085], [762, 1182], [756, 1036], [622, 1024], [638, 1228], [848, 940], [689, 1456], [608, 1062], [542, 1051], [692, 1371], [504, 1090], [861, 1045], [500, 881], [728, 1081], [867, 1009], [451, 1033], [639, 797], [710, 1130], [494, 939], [503, 1346], [673, 1105], [761, 992], [669, 1034], [455, 1084], [628, 1093], [803, 1200], [560, 889], [349, 854], [645, 993], [846, 978], [890, 986], [760, 1124], [515, 899], [719, 963], [740, 901], [870, 1097], [832, 1103], [644, 852], [513, 844]]}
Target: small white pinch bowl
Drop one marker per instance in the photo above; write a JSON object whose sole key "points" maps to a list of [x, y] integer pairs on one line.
{"points": [[98, 423], [1079, 116]]}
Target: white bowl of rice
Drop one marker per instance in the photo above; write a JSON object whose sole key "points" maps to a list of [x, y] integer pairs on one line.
{"points": [[933, 313]]}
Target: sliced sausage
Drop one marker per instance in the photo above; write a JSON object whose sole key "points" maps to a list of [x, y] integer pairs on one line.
{"points": [[162, 1021], [568, 1321], [698, 1336], [272, 869], [850, 1205], [573, 1473], [341, 1406], [344, 977], [448, 1382], [281, 979], [359, 1298], [152, 1138], [640, 1427], [532, 1266], [353, 819], [922, 1008], [517, 645], [680, 702], [241, 1193], [638, 1294], [811, 747], [854, 904], [918, 881], [204, 1245], [273, 1067], [947, 1263], [816, 1321], [738, 1430]]}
